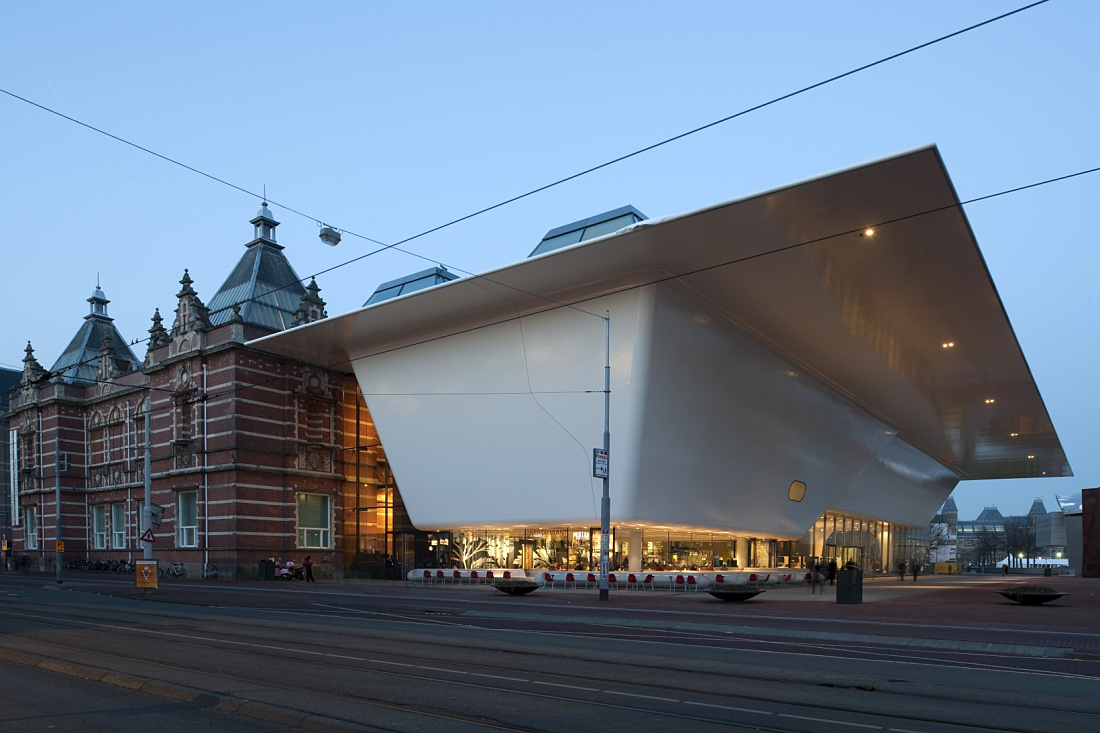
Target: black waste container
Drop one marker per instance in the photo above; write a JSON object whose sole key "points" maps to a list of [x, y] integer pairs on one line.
{"points": [[267, 570], [1046, 572], [849, 585]]}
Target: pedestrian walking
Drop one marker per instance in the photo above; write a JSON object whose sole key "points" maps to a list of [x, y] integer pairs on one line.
{"points": [[308, 564], [832, 572], [901, 570], [1004, 569], [916, 569]]}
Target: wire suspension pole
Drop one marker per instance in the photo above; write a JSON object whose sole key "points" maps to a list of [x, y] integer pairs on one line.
{"points": [[605, 506], [147, 512]]}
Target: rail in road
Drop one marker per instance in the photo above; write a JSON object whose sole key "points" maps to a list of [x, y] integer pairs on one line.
{"points": [[344, 662]]}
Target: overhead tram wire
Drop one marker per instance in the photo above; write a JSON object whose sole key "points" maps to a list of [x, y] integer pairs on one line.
{"points": [[396, 245]]}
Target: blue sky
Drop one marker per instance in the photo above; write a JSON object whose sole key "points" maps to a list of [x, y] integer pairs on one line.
{"points": [[390, 119]]}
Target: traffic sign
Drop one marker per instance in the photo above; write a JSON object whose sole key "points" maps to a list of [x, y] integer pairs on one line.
{"points": [[148, 536], [60, 545], [599, 463], [145, 573]]}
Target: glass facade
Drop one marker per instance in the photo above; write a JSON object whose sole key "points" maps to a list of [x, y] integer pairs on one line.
{"points": [[875, 546], [381, 542]]}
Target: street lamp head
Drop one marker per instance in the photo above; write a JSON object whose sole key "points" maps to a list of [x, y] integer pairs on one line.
{"points": [[330, 236]]}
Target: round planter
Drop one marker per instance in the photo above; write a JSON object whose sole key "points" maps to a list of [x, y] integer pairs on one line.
{"points": [[1031, 598], [515, 588], [735, 595]]}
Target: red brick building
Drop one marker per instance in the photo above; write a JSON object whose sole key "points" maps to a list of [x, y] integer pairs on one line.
{"points": [[253, 456]]}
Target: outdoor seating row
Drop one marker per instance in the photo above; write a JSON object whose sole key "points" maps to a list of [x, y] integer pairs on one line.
{"points": [[473, 577], [630, 580]]}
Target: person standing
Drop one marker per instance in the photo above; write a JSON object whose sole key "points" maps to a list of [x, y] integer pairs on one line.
{"points": [[1004, 569], [916, 569], [901, 570], [308, 565], [832, 571]]}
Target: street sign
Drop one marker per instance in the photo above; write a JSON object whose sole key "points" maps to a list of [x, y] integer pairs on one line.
{"points": [[599, 463], [145, 573], [148, 536], [60, 546]]}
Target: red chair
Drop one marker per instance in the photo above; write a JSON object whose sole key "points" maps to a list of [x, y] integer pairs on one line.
{"points": [[691, 582], [474, 577], [680, 584], [456, 577], [427, 576], [440, 577], [632, 581], [647, 582], [719, 578], [611, 579], [488, 574], [507, 575], [570, 580], [591, 580], [548, 580]]}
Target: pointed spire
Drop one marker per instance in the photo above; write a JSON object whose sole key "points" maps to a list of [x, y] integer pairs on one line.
{"points": [[158, 334], [186, 281], [310, 306], [191, 314], [32, 370]]}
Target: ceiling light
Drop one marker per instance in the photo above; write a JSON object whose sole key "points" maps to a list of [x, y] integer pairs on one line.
{"points": [[1030, 458], [1013, 435], [989, 401], [948, 344], [868, 232]]}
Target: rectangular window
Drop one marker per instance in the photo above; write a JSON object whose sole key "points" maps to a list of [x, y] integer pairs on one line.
{"points": [[30, 531], [187, 514], [314, 521], [99, 527], [118, 526]]}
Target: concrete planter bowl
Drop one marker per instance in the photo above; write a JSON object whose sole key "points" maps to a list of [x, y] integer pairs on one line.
{"points": [[728, 592], [515, 586], [1031, 595]]}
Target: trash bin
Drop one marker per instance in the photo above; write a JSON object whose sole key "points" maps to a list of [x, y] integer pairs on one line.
{"points": [[849, 585], [1046, 571], [267, 570]]}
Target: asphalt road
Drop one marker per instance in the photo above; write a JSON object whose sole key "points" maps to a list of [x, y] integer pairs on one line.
{"points": [[401, 658]]}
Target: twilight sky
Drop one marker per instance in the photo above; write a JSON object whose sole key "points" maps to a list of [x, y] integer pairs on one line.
{"points": [[388, 120]]}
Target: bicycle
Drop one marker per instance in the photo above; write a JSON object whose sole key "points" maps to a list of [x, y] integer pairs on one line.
{"points": [[172, 570], [210, 572]]}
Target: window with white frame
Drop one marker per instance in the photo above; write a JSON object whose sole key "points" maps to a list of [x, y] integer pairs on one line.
{"points": [[187, 519], [118, 526], [314, 522], [30, 528], [99, 527]]}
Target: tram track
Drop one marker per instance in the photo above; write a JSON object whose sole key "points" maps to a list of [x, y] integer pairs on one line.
{"points": [[416, 667]]}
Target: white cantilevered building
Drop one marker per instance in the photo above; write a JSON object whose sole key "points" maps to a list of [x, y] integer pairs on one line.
{"points": [[835, 345]]}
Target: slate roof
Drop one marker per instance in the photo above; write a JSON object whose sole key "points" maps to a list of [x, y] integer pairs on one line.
{"points": [[264, 283], [79, 363]]}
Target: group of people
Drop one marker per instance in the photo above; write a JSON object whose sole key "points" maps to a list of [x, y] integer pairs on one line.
{"points": [[290, 571], [914, 569]]}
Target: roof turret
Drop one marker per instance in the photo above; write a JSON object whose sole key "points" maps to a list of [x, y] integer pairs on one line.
{"points": [[97, 339], [263, 283]]}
